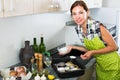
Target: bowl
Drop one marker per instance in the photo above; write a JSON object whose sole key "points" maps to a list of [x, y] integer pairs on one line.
{"points": [[63, 50]]}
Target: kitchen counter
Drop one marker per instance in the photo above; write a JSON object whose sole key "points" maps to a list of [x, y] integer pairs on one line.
{"points": [[88, 71], [89, 66]]}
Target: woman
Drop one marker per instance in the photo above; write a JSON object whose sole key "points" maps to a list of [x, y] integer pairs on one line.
{"points": [[98, 41]]}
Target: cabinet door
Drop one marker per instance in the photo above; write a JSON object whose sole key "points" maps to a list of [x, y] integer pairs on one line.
{"points": [[41, 6], [17, 7], [1, 8], [66, 4], [94, 3], [97, 3]]}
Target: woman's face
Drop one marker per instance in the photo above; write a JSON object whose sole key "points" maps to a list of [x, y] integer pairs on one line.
{"points": [[79, 15]]}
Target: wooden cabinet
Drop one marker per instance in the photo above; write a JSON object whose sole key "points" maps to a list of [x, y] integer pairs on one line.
{"points": [[24, 7], [94, 3], [10, 8], [15, 7], [41, 6], [38, 5], [66, 4], [1, 8]]}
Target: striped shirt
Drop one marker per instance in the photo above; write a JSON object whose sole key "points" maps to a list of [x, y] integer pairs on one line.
{"points": [[93, 29]]}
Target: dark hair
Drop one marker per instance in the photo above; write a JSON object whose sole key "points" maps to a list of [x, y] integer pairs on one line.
{"points": [[79, 3]]}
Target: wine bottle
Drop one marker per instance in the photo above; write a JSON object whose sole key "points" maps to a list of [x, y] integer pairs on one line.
{"points": [[42, 47], [35, 46]]}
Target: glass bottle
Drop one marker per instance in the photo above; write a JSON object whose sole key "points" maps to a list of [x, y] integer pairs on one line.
{"points": [[35, 46], [34, 68], [42, 47], [26, 54]]}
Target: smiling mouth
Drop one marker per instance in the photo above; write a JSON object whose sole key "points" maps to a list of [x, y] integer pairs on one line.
{"points": [[78, 21]]}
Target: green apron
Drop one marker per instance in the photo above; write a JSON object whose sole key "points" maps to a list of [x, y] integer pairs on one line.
{"points": [[107, 65]]}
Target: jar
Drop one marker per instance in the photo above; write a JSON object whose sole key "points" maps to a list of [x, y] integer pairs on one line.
{"points": [[26, 54]]}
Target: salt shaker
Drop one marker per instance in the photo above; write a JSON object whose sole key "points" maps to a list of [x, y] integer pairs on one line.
{"points": [[43, 77], [37, 77]]}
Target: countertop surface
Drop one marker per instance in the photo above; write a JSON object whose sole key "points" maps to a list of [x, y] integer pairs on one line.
{"points": [[90, 63]]}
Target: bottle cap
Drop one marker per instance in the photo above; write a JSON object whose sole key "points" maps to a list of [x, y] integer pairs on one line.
{"points": [[47, 53], [41, 35]]}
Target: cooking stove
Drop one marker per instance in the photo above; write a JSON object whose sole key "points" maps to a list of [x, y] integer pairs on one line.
{"points": [[54, 54]]}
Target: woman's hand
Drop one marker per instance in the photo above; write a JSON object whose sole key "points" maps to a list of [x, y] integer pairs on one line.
{"points": [[87, 55]]}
